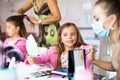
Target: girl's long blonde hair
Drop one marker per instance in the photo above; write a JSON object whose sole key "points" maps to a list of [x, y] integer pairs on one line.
{"points": [[60, 45]]}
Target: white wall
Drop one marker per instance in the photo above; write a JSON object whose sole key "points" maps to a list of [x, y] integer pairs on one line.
{"points": [[9, 8], [77, 11]]}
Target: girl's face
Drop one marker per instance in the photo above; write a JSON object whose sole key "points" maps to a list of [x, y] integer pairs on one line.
{"points": [[69, 36], [11, 29]]}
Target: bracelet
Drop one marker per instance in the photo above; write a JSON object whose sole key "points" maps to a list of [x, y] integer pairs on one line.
{"points": [[39, 21]]}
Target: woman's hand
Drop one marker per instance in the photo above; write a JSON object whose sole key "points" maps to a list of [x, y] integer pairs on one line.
{"points": [[31, 60], [33, 20], [91, 54]]}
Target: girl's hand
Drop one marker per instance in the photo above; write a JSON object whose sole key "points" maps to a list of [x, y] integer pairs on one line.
{"points": [[31, 60]]}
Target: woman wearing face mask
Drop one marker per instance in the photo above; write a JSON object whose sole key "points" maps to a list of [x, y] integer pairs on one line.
{"points": [[106, 15]]}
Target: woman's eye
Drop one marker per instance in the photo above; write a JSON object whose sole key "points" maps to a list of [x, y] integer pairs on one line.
{"points": [[97, 19]]}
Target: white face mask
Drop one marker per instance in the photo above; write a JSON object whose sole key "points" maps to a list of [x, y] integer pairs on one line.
{"points": [[99, 29]]}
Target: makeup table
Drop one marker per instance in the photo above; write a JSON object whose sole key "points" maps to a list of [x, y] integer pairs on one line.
{"points": [[24, 74]]}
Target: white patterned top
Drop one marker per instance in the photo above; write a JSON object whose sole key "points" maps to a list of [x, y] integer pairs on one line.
{"points": [[64, 61]]}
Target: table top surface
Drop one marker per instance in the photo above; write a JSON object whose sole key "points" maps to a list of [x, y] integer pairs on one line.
{"points": [[24, 73]]}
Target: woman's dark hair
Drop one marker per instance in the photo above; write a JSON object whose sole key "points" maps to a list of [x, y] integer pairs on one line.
{"points": [[111, 7], [17, 20]]}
